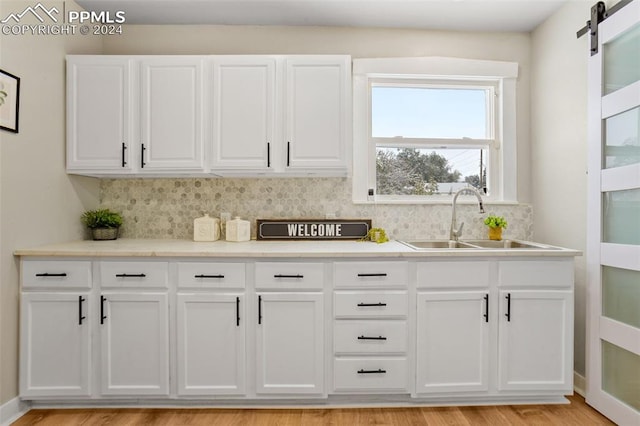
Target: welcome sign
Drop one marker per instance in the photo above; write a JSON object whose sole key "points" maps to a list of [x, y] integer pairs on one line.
{"points": [[312, 229]]}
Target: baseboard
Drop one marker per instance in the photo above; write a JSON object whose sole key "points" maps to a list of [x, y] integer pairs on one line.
{"points": [[12, 410], [579, 384]]}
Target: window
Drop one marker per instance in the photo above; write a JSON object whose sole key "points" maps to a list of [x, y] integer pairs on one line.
{"points": [[426, 136]]}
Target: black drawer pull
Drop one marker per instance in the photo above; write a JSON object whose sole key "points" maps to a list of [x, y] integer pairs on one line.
{"points": [[80, 316], [371, 304], [288, 276], [378, 371], [102, 315], [208, 276], [259, 309], [47, 274], [373, 275], [130, 275], [508, 314], [237, 311], [371, 338]]}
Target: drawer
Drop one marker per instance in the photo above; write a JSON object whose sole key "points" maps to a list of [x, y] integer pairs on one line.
{"points": [[454, 273], [557, 273], [211, 275], [370, 304], [289, 275], [370, 337], [134, 274], [371, 274], [370, 374], [56, 273]]}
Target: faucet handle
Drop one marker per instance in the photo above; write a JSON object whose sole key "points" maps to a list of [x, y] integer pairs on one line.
{"points": [[458, 232]]}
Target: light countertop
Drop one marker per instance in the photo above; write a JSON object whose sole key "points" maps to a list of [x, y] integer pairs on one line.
{"points": [[254, 249]]}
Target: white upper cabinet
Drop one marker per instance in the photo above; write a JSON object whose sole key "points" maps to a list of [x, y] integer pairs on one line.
{"points": [[239, 115], [317, 112], [171, 111], [244, 110], [98, 114]]}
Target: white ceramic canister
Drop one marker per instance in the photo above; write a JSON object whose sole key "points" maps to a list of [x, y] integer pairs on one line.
{"points": [[238, 230], [206, 228]]}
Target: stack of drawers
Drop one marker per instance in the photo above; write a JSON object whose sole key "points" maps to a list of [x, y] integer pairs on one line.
{"points": [[370, 309]]}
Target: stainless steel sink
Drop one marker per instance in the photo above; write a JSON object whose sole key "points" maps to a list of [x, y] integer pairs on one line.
{"points": [[437, 244], [507, 244]]}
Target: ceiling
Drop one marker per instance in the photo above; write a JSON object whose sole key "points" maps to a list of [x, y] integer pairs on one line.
{"points": [[459, 15]]}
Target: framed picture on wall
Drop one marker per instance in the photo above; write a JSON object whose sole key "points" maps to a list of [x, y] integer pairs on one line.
{"points": [[9, 101]]}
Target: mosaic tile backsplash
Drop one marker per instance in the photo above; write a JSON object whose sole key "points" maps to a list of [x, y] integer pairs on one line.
{"points": [[165, 208]]}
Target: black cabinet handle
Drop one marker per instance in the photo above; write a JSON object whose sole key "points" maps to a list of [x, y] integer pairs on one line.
{"points": [[80, 316], [378, 371], [371, 338], [486, 308], [268, 154], [288, 276], [237, 311], [508, 314], [372, 304], [130, 275], [208, 276], [288, 154], [373, 275], [102, 315], [259, 309], [142, 163], [124, 148], [48, 274]]}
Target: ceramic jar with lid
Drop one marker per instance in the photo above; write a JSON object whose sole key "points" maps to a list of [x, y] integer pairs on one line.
{"points": [[238, 230], [206, 228]]}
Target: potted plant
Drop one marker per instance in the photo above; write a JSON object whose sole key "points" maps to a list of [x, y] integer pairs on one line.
{"points": [[104, 223], [495, 224]]}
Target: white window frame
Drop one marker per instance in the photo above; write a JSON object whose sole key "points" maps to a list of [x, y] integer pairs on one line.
{"points": [[501, 144]]}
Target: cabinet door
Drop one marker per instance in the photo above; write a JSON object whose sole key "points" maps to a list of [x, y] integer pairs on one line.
{"points": [[535, 337], [211, 344], [171, 110], [317, 112], [54, 345], [98, 114], [243, 113], [289, 349], [135, 343], [452, 342]]}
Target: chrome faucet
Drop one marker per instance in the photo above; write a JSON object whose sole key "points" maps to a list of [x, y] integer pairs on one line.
{"points": [[455, 232]]}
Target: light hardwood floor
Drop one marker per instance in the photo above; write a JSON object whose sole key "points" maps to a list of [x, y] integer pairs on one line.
{"points": [[576, 413]]}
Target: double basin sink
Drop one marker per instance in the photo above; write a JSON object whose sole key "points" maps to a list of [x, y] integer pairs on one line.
{"points": [[476, 244]]}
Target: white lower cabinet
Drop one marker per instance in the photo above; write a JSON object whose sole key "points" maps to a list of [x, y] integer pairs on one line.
{"points": [[452, 347], [211, 344], [134, 337], [55, 345], [289, 343], [535, 340]]}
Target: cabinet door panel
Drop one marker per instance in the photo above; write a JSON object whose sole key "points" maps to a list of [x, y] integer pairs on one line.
{"points": [[98, 121], [243, 113], [453, 342], [535, 340], [316, 112], [135, 344], [55, 345], [211, 344], [289, 350], [171, 114]]}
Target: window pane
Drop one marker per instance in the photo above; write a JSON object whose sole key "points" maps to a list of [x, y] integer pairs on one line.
{"points": [[622, 61], [621, 374], [428, 113], [409, 171], [622, 144], [621, 295], [621, 217]]}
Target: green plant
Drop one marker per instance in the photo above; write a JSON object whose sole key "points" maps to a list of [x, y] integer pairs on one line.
{"points": [[495, 222], [377, 235], [101, 218]]}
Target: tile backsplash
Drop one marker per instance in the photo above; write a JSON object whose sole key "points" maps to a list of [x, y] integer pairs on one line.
{"points": [[165, 208]]}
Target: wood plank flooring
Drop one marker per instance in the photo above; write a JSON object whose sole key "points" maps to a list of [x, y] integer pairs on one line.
{"points": [[576, 413]]}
